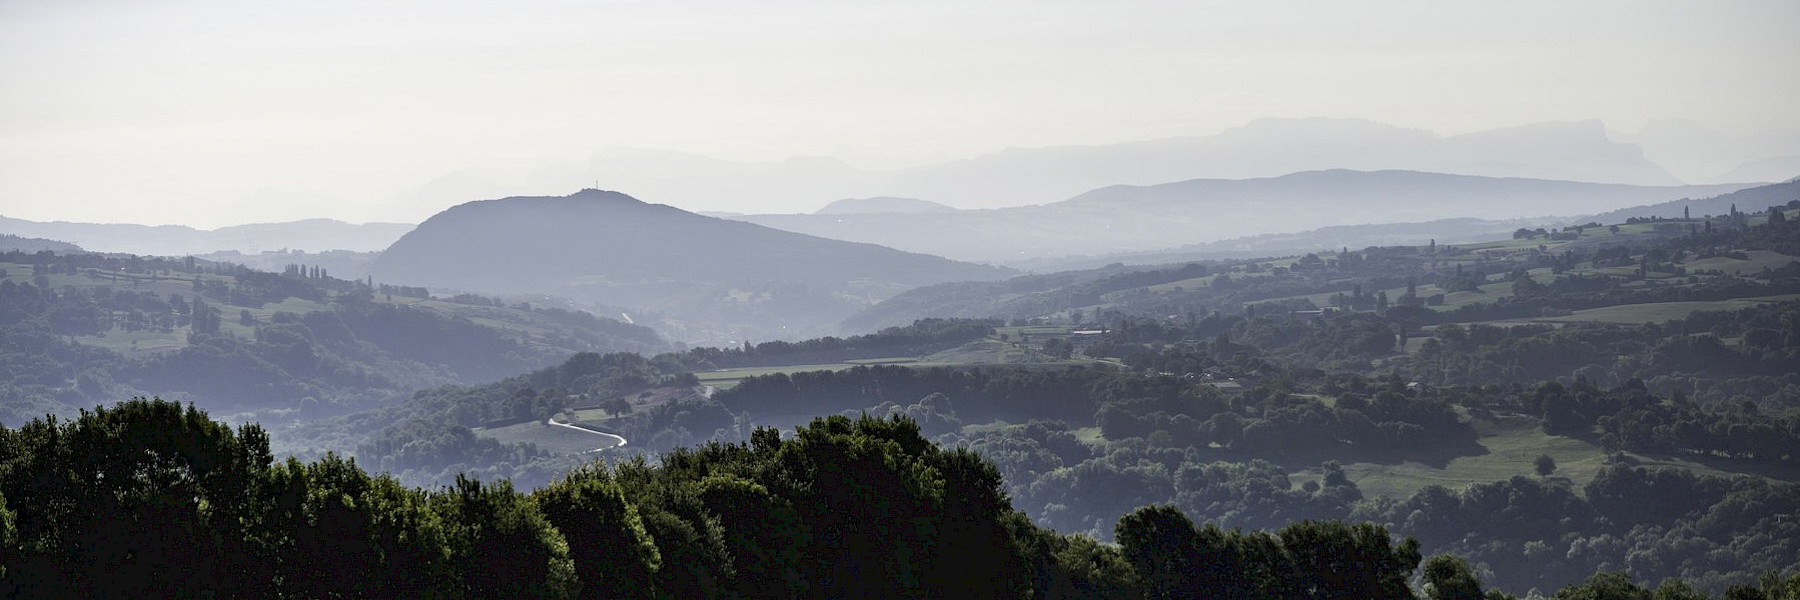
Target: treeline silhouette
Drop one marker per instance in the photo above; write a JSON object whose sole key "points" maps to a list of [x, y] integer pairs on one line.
{"points": [[150, 499]]}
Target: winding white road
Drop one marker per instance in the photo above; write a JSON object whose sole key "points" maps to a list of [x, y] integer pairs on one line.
{"points": [[586, 430]]}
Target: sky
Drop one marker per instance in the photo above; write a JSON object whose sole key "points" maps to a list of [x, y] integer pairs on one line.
{"points": [[212, 113]]}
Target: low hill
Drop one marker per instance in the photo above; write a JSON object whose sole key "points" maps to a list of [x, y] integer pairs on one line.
{"points": [[9, 242], [882, 205], [609, 247], [1746, 200], [1700, 261], [1127, 218], [177, 240]]}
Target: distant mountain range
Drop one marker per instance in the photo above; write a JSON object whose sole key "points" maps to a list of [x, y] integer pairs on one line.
{"points": [[1441, 231], [315, 235], [1100, 222], [1576, 151], [1767, 169], [1699, 154], [1568, 151], [1126, 218], [601, 246]]}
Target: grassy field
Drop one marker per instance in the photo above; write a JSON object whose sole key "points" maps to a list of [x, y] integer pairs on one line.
{"points": [[989, 352], [1013, 333], [1644, 313], [561, 440], [729, 378], [143, 342], [883, 361], [1511, 444], [1207, 280], [136, 343], [980, 352], [1757, 261], [1664, 311], [161, 284], [593, 415], [1657, 312], [1186, 284]]}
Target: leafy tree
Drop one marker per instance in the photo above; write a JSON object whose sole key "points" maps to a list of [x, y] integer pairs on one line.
{"points": [[329, 529], [1544, 465], [1611, 585], [763, 535], [501, 546], [868, 477], [1449, 577], [696, 562], [143, 499], [1332, 559], [1079, 567], [972, 536], [613, 553], [1676, 589], [9, 547], [1163, 548]]}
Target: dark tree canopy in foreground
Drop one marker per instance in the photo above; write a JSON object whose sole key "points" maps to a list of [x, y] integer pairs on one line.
{"points": [[150, 499]]}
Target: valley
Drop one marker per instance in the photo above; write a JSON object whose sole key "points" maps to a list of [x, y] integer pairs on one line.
{"points": [[1401, 384], [795, 300]]}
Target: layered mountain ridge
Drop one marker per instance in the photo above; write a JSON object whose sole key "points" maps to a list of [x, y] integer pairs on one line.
{"points": [[1130, 218]]}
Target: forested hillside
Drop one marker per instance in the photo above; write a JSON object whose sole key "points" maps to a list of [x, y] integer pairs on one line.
{"points": [[1256, 393], [1707, 257], [1241, 430], [84, 329]]}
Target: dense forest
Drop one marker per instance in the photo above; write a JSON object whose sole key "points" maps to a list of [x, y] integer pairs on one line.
{"points": [[148, 498], [1164, 439]]}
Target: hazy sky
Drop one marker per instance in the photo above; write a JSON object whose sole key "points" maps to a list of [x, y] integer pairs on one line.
{"points": [[212, 112]]}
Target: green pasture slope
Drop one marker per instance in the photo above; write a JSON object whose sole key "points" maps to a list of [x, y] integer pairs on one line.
{"points": [[148, 341], [1509, 445]]}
